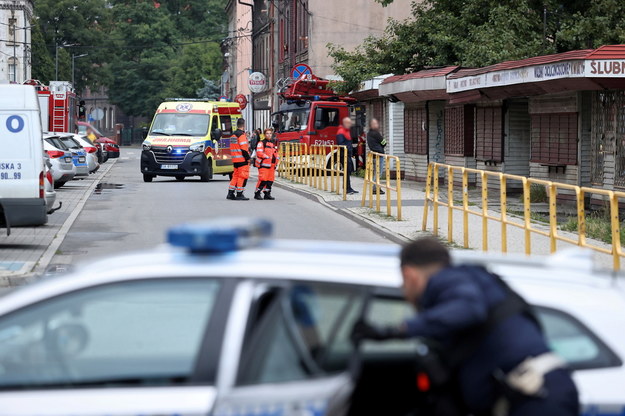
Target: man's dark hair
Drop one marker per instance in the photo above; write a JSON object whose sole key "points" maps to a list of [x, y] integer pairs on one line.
{"points": [[425, 252], [240, 123]]}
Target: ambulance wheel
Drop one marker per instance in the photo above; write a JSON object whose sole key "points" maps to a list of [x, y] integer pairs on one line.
{"points": [[180, 178], [147, 178], [207, 175]]}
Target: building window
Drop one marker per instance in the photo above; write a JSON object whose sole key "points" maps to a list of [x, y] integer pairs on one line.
{"points": [[554, 139], [12, 69], [415, 133], [489, 134], [282, 40], [301, 28], [12, 29], [459, 131]]}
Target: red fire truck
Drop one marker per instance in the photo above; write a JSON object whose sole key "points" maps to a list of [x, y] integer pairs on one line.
{"points": [[58, 105], [312, 113]]}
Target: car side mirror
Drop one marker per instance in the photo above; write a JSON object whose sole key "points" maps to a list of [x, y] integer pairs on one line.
{"points": [[216, 134], [319, 125]]}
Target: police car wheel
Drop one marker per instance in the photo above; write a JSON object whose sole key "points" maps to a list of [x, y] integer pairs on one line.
{"points": [[179, 178], [147, 178]]}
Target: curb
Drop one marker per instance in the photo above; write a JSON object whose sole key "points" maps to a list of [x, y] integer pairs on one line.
{"points": [[48, 255], [362, 221]]}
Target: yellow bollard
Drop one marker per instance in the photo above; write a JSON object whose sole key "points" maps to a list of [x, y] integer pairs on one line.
{"points": [[450, 203]]}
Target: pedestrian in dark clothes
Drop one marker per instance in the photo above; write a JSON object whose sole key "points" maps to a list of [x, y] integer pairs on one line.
{"points": [[377, 144], [344, 138]]}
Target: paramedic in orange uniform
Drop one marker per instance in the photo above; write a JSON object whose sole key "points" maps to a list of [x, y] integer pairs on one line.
{"points": [[266, 162], [240, 151]]}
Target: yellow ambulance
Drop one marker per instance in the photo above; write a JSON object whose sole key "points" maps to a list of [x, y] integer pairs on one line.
{"points": [[190, 138]]}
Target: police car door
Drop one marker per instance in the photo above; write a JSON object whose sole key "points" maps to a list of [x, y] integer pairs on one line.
{"points": [[296, 354]]}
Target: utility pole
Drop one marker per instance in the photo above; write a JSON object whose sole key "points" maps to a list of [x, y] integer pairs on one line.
{"points": [[13, 28], [56, 60]]}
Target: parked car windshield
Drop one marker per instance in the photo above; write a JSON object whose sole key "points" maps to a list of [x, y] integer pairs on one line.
{"points": [[292, 120], [180, 125]]}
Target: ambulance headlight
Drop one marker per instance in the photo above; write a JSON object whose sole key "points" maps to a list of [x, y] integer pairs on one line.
{"points": [[197, 147], [147, 146]]}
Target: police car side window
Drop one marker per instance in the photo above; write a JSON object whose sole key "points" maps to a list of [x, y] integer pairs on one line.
{"points": [[106, 334], [389, 311], [305, 333], [574, 342]]}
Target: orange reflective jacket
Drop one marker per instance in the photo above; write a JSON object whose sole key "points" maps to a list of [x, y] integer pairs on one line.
{"points": [[239, 148]]}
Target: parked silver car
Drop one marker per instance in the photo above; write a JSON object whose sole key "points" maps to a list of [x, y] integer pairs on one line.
{"points": [[92, 152], [50, 193], [63, 168], [79, 154]]}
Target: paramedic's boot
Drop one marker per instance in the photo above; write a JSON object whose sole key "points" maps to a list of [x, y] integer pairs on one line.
{"points": [[231, 195], [257, 196], [268, 196], [241, 197]]}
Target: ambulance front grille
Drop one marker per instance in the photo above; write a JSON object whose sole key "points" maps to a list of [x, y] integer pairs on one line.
{"points": [[176, 156]]}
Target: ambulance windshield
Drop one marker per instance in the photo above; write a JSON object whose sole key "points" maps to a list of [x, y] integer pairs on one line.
{"points": [[292, 120], [176, 124]]}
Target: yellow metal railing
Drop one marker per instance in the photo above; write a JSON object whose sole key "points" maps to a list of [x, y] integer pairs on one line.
{"points": [[437, 172], [372, 180], [320, 166]]}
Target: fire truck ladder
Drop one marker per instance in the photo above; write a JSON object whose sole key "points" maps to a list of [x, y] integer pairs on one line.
{"points": [[313, 89], [58, 114]]}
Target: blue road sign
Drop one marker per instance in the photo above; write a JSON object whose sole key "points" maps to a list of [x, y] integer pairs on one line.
{"points": [[300, 69]]}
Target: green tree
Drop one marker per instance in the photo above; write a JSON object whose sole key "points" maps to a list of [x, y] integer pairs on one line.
{"points": [[194, 64], [480, 32], [145, 51], [210, 91], [78, 27], [42, 60]]}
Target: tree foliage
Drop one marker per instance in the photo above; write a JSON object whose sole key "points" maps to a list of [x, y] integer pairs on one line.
{"points": [[140, 50], [476, 33]]}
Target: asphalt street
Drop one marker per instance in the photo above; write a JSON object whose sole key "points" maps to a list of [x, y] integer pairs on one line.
{"points": [[125, 214]]}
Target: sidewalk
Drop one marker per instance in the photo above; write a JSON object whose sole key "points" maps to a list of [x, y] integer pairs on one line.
{"points": [[409, 228], [28, 250]]}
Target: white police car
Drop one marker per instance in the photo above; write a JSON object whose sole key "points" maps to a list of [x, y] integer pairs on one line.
{"points": [[228, 323]]}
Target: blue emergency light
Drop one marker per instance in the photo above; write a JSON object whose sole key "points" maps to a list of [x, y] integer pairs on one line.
{"points": [[220, 235]]}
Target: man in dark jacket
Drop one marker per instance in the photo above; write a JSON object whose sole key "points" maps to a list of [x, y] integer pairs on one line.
{"points": [[376, 143], [456, 303], [344, 138]]}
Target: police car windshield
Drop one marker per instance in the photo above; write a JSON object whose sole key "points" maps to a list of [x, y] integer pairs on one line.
{"points": [[176, 124], [292, 120]]}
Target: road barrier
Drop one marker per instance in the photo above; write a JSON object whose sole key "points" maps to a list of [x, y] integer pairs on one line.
{"points": [[437, 172], [372, 180], [319, 166]]}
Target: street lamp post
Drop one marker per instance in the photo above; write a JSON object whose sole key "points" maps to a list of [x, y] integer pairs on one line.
{"points": [[74, 57]]}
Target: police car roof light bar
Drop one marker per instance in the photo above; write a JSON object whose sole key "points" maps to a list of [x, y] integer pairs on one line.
{"points": [[221, 235]]}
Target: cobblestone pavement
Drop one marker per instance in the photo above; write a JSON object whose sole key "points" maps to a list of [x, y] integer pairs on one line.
{"points": [[21, 253]]}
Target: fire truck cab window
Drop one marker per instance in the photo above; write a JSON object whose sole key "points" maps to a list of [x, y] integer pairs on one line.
{"points": [[328, 117], [292, 120]]}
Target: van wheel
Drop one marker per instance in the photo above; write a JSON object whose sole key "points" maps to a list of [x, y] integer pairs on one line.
{"points": [[180, 178], [147, 178], [57, 185], [207, 175]]}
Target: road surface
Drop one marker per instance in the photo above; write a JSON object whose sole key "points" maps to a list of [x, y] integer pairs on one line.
{"points": [[127, 214]]}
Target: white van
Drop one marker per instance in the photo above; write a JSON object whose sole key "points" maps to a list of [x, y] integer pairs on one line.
{"points": [[22, 194]]}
